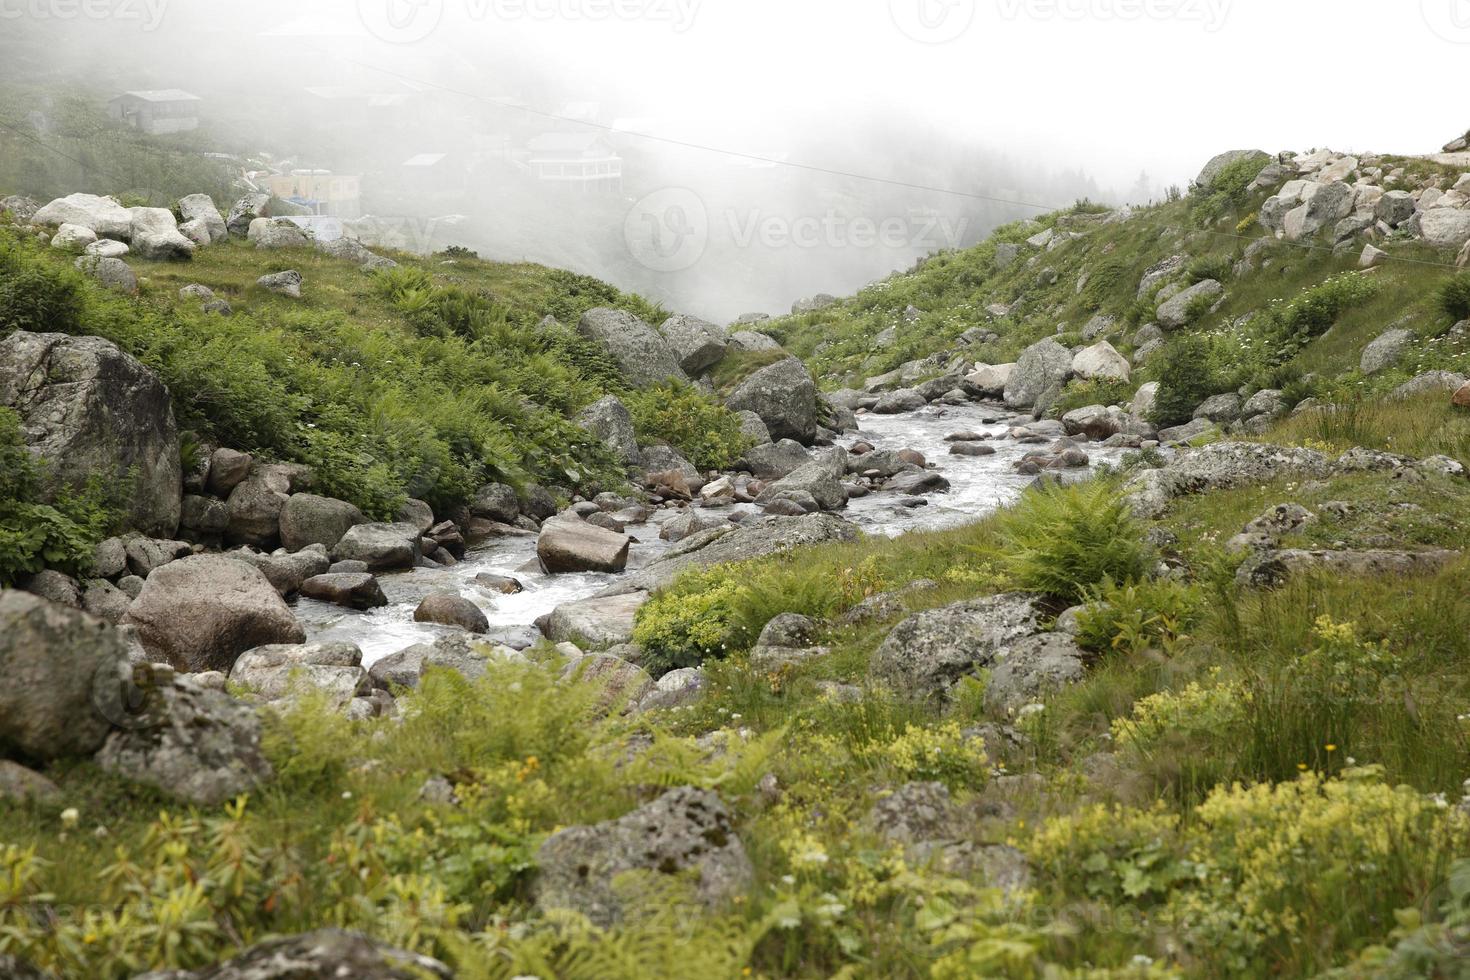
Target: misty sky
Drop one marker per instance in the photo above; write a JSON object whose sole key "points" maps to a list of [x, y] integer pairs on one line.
{"points": [[1110, 86]]}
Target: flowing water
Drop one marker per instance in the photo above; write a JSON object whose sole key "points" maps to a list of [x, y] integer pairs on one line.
{"points": [[978, 486]]}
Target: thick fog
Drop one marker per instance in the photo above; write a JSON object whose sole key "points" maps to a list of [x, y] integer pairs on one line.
{"points": [[726, 156]]}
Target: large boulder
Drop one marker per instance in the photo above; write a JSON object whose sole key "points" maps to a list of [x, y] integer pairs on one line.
{"points": [[1042, 368], [380, 546], [1175, 311], [1033, 668], [1256, 159], [73, 238], [354, 590], [645, 357], [822, 478], [1101, 361], [686, 830], [276, 233], [775, 459], [735, 542], [991, 379], [288, 572], [155, 236], [200, 208], [110, 271], [451, 609], [1445, 227], [1222, 466], [255, 507], [610, 421], [191, 741], [58, 666], [103, 215], [1385, 351], [927, 653], [784, 396], [307, 519], [92, 411], [597, 623], [698, 344], [1328, 205], [201, 613], [325, 954], [244, 212], [282, 670], [567, 544]]}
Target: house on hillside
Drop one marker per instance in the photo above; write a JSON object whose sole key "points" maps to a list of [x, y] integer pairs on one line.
{"points": [[319, 191], [157, 112], [584, 162]]}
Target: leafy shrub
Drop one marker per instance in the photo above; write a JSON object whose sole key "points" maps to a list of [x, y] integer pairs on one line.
{"points": [[35, 297], [1132, 617], [1061, 541], [1185, 380], [1217, 267], [1100, 391], [694, 620], [1111, 853], [1454, 297], [939, 754], [1230, 190], [1196, 711], [34, 535], [702, 429]]}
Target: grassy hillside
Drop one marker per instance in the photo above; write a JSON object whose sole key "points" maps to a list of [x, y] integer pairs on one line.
{"points": [[428, 380], [1098, 274]]}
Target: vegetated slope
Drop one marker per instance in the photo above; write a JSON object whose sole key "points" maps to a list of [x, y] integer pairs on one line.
{"points": [[1087, 276], [428, 380]]}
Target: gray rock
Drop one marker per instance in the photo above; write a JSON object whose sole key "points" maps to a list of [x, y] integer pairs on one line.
{"points": [[201, 613], [735, 542], [228, 468], [1385, 351], [644, 356], [203, 519], [598, 623], [753, 427], [22, 210], [1395, 208], [1271, 568], [147, 554], [752, 340], [382, 546], [355, 590], [928, 652], [822, 478], [1267, 401], [102, 215], [286, 283], [53, 586], [1173, 313], [676, 689], [1033, 668], [685, 830], [111, 272], [1431, 381], [688, 522], [61, 669], [1160, 272], [1101, 360], [1329, 205], [1219, 408], [451, 609], [776, 460], [73, 238], [321, 955], [790, 630], [569, 545], [199, 207], [812, 304], [307, 519], [990, 380], [1043, 367], [102, 599], [902, 400], [244, 212], [698, 344], [273, 233], [610, 421], [155, 236], [1222, 466], [917, 482], [255, 507], [784, 396], [281, 671], [1218, 164], [622, 684], [189, 741], [287, 572], [406, 668], [1445, 227], [17, 785], [92, 411]]}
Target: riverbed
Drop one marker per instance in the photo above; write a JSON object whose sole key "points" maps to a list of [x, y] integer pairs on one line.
{"points": [[979, 485]]}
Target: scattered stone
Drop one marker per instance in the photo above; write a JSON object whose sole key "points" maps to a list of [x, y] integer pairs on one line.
{"points": [[286, 283], [277, 672], [451, 609], [355, 590], [928, 652], [1385, 351], [382, 546], [569, 545]]}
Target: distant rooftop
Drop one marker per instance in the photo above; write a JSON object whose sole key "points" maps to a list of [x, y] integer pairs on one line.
{"points": [[424, 159], [163, 95], [565, 142]]}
